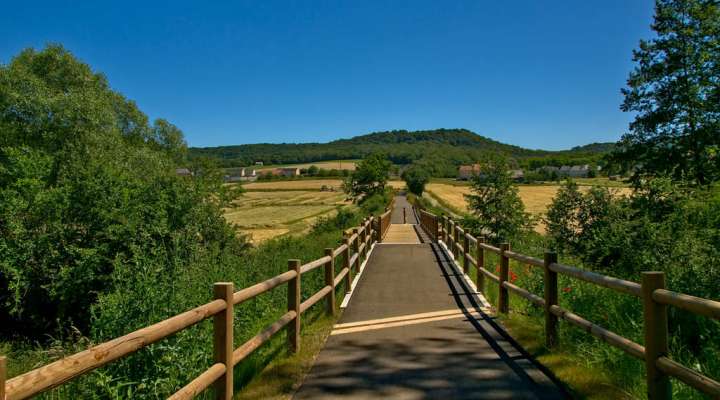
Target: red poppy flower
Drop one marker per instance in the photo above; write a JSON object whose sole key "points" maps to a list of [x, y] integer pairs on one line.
{"points": [[567, 289]]}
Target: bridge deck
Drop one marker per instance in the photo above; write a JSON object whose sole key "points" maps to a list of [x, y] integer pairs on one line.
{"points": [[415, 329]]}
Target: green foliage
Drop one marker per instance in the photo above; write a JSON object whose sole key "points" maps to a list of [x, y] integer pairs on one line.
{"points": [[369, 177], [376, 203], [662, 226], [416, 178], [675, 93], [496, 208], [88, 190]]}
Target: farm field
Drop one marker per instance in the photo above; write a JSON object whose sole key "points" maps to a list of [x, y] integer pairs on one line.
{"points": [[339, 164], [300, 184], [267, 214], [536, 198]]}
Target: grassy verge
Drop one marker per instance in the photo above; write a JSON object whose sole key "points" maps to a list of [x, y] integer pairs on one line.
{"points": [[584, 380], [283, 376]]}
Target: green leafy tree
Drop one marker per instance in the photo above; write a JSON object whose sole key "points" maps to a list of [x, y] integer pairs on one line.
{"points": [[313, 170], [370, 176], [496, 208], [675, 92], [88, 189], [416, 178], [562, 216]]}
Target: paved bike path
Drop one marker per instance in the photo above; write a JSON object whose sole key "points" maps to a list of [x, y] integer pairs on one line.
{"points": [[414, 329]]}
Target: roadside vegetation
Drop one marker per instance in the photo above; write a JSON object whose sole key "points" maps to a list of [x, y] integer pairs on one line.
{"points": [[99, 235], [668, 221]]}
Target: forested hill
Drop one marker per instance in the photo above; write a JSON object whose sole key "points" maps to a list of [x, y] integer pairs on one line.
{"points": [[441, 150]]}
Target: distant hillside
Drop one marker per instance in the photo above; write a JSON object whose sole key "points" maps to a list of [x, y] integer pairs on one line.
{"points": [[601, 148], [440, 150]]}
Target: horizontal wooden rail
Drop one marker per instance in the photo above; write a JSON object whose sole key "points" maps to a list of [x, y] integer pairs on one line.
{"points": [[696, 305], [199, 384], [472, 260], [262, 287], [354, 258], [490, 275], [339, 250], [315, 298], [598, 279], [488, 247], [256, 341], [314, 264], [61, 371], [524, 293], [341, 275], [689, 376], [524, 259], [601, 333]]}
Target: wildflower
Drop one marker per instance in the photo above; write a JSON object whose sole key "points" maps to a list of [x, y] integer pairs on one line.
{"points": [[567, 289]]}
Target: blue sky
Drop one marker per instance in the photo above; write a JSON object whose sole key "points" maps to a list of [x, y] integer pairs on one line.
{"points": [[540, 74]]}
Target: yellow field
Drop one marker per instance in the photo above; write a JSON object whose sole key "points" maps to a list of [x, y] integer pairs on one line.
{"points": [[266, 214], [314, 184], [349, 165], [535, 198]]}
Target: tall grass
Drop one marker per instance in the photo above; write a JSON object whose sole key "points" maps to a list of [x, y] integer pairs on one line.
{"points": [[617, 312], [151, 295]]}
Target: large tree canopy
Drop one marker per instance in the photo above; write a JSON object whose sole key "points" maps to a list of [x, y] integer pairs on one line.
{"points": [[88, 188], [675, 91]]}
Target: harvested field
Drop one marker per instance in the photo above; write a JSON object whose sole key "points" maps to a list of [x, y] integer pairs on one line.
{"points": [[301, 184], [535, 198], [279, 208], [339, 165]]}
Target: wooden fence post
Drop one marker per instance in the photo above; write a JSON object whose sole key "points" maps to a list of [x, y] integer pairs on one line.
{"points": [[223, 344], [293, 330], [356, 248], [3, 376], [551, 299], [363, 236], [455, 239], [378, 225], [436, 228], [480, 279], [404, 216], [330, 281], [444, 228], [466, 251], [503, 298], [656, 336], [346, 264]]}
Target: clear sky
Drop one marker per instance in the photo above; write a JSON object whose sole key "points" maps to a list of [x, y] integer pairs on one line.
{"points": [[540, 74]]}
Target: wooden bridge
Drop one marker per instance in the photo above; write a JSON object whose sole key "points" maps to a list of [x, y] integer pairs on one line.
{"points": [[414, 325]]}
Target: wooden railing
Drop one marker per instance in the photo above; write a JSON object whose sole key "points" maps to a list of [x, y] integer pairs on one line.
{"points": [[383, 221], [429, 223], [655, 298], [354, 249]]}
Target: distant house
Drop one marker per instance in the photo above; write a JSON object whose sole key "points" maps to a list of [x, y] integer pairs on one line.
{"points": [[466, 172], [286, 171], [183, 172], [247, 172], [241, 175], [575, 171], [259, 163], [517, 174], [549, 169]]}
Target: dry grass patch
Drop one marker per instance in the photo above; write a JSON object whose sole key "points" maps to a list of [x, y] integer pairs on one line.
{"points": [[267, 214], [309, 184], [535, 198], [585, 381]]}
